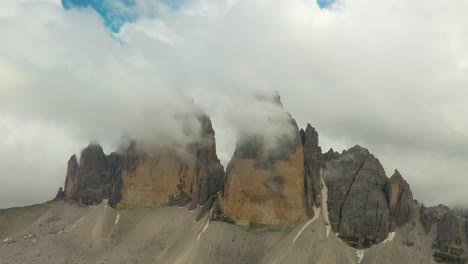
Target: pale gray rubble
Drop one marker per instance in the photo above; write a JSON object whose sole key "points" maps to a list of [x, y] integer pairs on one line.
{"points": [[67, 233]]}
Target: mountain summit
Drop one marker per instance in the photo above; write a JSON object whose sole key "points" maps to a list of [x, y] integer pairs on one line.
{"points": [[280, 200]]}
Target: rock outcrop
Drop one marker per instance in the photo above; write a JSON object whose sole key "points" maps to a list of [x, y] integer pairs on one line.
{"points": [[140, 178], [450, 244], [72, 179], [312, 169], [95, 181], [400, 197], [170, 176], [277, 186], [273, 181], [89, 181], [357, 202]]}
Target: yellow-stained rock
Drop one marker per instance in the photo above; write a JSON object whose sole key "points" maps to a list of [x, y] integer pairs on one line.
{"points": [[268, 196], [156, 180]]}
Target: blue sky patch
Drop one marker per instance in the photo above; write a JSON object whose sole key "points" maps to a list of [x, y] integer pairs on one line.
{"points": [[116, 12], [325, 3]]}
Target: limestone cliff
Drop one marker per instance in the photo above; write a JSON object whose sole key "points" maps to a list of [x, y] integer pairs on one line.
{"points": [[276, 186], [400, 199], [148, 178], [357, 202], [72, 179], [273, 181], [170, 176], [90, 181], [450, 244], [364, 204], [312, 169]]}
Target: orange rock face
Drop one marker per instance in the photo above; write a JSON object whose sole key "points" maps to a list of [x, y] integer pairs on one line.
{"points": [[157, 180], [268, 196], [72, 180], [265, 179], [170, 177]]}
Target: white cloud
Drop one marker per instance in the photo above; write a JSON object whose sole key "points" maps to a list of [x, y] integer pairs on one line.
{"points": [[389, 75]]}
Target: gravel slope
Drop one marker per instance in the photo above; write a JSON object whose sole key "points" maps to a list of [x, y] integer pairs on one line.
{"points": [[62, 233]]}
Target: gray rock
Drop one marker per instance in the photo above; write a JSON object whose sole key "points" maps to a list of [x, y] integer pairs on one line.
{"points": [[312, 168], [430, 215], [329, 156], [60, 194], [357, 203], [210, 172], [450, 244], [95, 175]]}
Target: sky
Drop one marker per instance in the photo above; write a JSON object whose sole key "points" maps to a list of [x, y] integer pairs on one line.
{"points": [[389, 75]]}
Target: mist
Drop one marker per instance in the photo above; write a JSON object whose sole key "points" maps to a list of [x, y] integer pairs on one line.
{"points": [[390, 76]]}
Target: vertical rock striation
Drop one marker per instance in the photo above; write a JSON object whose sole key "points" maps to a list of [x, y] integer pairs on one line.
{"points": [[95, 181], [357, 201], [312, 169], [450, 242], [364, 205], [91, 181], [400, 199]]}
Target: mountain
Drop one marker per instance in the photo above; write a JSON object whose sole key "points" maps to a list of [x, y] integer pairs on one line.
{"points": [[279, 201]]}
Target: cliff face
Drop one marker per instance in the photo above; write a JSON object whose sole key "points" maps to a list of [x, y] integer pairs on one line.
{"points": [[170, 176], [278, 186], [137, 178], [450, 244], [274, 183], [400, 197], [264, 190], [72, 179], [312, 169], [90, 181], [357, 202], [364, 204]]}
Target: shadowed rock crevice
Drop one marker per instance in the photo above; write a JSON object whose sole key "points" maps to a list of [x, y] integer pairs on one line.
{"points": [[312, 169]]}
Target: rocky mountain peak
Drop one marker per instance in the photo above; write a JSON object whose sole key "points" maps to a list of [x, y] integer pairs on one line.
{"points": [[279, 185], [265, 185], [139, 177]]}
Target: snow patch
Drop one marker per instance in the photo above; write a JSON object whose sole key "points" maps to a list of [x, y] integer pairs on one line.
{"points": [[390, 237], [117, 217], [325, 204], [360, 255], [206, 225], [68, 229], [316, 216]]}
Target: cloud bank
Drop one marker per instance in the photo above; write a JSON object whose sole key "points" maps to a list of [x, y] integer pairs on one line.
{"points": [[388, 75]]}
